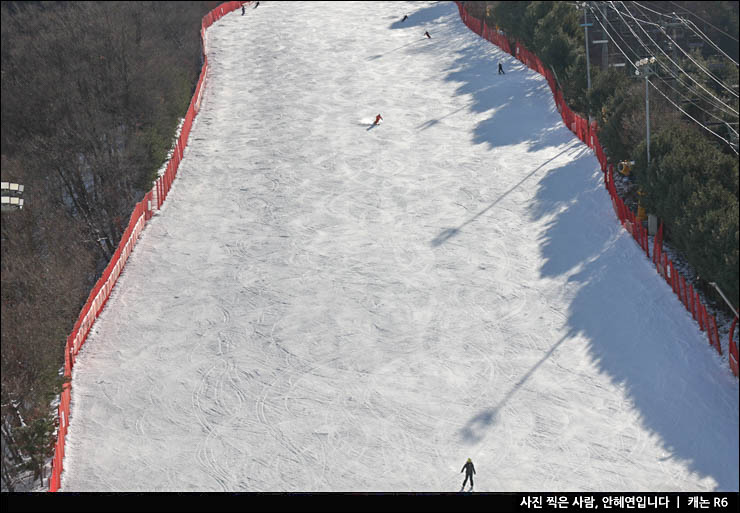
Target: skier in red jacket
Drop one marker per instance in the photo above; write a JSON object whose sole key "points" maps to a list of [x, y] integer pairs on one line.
{"points": [[377, 119]]}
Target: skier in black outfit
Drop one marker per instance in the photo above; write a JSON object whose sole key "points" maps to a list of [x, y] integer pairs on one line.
{"points": [[427, 34], [469, 471], [242, 10], [405, 17], [501, 69]]}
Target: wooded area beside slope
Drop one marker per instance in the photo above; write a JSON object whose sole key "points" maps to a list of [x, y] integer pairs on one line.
{"points": [[92, 93]]}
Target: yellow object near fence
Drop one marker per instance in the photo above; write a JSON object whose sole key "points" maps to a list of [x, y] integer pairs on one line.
{"points": [[641, 215], [625, 167]]}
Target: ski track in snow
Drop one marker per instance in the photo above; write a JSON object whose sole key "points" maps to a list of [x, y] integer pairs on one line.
{"points": [[323, 307]]}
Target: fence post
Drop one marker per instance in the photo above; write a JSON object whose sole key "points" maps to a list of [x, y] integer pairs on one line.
{"points": [[710, 331], [733, 356], [716, 335]]}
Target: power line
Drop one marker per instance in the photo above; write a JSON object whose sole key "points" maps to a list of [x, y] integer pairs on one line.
{"points": [[674, 16], [658, 89], [608, 34], [704, 21], [639, 55], [619, 13], [659, 62], [697, 31], [707, 72], [703, 36], [672, 61], [688, 100], [730, 144], [724, 122]]}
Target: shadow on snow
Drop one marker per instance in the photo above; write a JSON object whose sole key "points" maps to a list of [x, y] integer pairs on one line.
{"points": [[422, 17], [583, 240]]}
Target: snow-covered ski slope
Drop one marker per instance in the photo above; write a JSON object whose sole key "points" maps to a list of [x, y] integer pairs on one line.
{"points": [[320, 306]]}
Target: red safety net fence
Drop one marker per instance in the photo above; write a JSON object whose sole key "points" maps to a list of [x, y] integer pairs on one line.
{"points": [[141, 214], [588, 134]]}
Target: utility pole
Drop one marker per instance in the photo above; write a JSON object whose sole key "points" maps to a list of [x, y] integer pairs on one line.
{"points": [[605, 42], [643, 67], [647, 117], [605, 52], [585, 26]]}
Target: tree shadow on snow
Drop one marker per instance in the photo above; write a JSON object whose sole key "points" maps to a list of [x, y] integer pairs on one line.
{"points": [[423, 17], [380, 56], [448, 233], [514, 99], [690, 403], [432, 122], [475, 429]]}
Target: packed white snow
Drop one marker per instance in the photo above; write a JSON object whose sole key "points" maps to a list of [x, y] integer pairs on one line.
{"points": [[325, 306]]}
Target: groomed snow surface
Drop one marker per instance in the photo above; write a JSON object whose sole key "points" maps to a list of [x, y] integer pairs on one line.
{"points": [[325, 306]]}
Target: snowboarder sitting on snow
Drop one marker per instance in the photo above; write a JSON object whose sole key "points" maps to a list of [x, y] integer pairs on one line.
{"points": [[469, 471], [377, 119], [405, 17], [501, 69], [427, 34]]}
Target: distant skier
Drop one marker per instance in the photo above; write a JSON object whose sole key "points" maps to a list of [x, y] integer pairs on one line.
{"points": [[427, 34], [469, 471], [501, 69], [242, 10], [378, 118], [404, 18], [256, 5]]}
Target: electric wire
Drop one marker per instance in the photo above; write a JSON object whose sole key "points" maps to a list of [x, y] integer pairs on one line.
{"points": [[698, 32], [703, 36], [674, 16], [627, 58], [730, 144], [704, 21], [667, 84], [668, 57], [669, 71]]}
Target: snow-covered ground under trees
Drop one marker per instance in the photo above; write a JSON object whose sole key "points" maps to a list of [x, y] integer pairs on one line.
{"points": [[325, 306]]}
